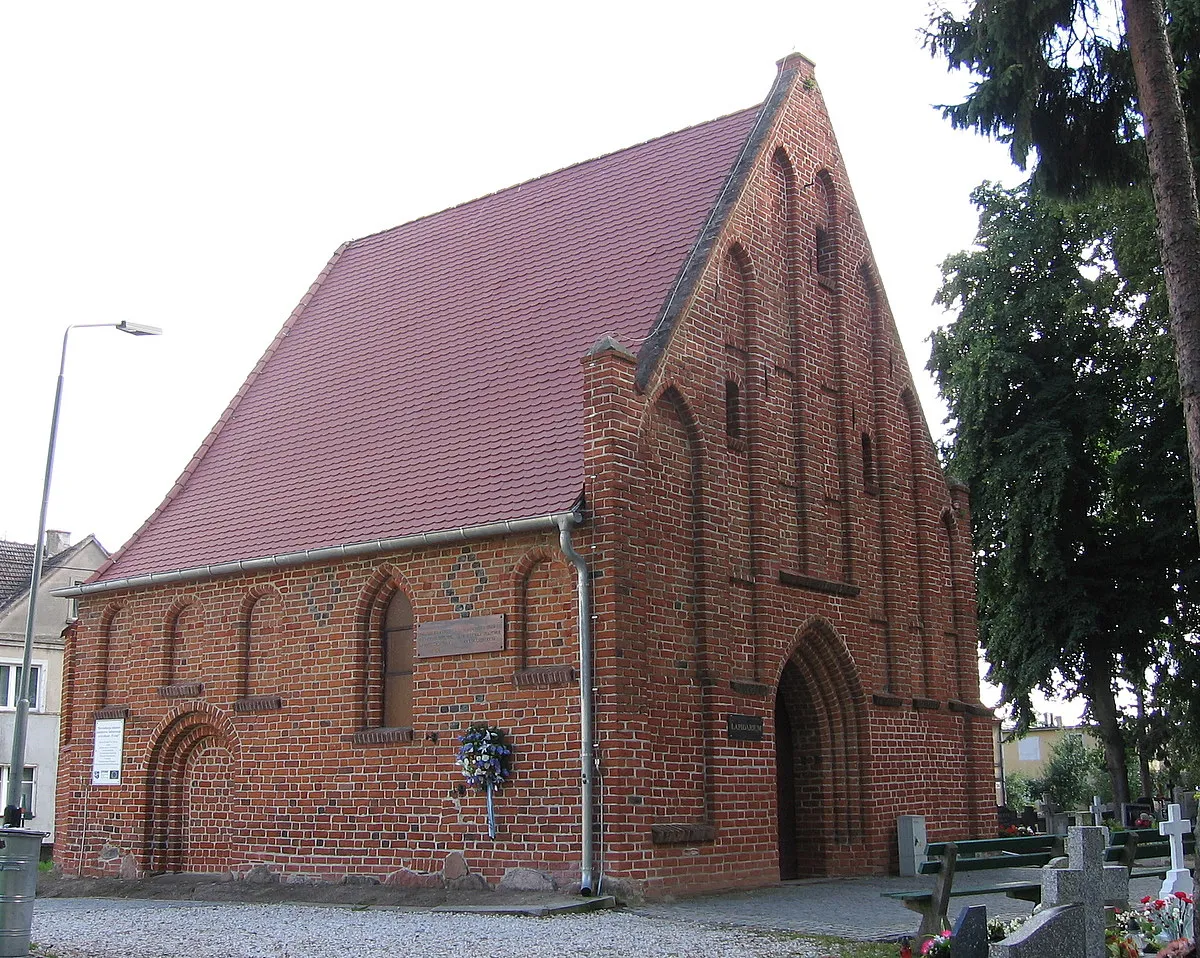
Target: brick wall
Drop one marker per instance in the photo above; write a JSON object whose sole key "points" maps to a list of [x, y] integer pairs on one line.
{"points": [[770, 537]]}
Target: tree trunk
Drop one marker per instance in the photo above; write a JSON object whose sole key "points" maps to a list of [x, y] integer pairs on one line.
{"points": [[1098, 684], [1143, 747], [1174, 186]]}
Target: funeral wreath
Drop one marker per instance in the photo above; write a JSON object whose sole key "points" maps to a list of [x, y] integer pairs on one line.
{"points": [[485, 758]]}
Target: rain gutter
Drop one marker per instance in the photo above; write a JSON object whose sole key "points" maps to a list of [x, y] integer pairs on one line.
{"points": [[552, 522]]}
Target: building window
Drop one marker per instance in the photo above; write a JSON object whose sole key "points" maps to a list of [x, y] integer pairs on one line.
{"points": [[28, 789], [398, 649], [10, 686]]}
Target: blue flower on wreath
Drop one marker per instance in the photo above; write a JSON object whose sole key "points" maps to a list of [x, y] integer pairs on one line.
{"points": [[484, 757]]}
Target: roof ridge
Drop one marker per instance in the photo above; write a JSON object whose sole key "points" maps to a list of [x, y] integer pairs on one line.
{"points": [[230, 409], [557, 172]]}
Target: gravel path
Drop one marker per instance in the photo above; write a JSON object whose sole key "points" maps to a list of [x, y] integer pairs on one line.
{"points": [[101, 928]]}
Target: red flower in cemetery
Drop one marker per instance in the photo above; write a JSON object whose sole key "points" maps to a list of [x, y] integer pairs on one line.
{"points": [[1146, 899]]}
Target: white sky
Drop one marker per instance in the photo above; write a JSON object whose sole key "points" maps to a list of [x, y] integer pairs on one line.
{"points": [[194, 166]]}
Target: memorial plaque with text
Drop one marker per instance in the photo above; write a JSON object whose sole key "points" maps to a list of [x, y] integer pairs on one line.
{"points": [[479, 633], [745, 728]]}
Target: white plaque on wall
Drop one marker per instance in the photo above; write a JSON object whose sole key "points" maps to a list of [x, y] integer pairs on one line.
{"points": [[106, 751], [1029, 749]]}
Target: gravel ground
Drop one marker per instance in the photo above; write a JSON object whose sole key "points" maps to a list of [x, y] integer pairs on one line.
{"points": [[99, 928]]}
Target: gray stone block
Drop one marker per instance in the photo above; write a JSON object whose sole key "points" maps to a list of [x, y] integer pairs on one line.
{"points": [[472, 882], [526, 879]]}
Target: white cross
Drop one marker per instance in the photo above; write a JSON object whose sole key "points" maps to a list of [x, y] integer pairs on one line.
{"points": [[1175, 827], [1097, 810], [1089, 882]]}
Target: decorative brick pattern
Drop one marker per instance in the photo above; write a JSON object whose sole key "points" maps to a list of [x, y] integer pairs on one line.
{"points": [[183, 690], [258, 703]]}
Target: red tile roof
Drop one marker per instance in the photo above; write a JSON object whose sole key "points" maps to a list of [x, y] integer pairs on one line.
{"points": [[431, 378]]}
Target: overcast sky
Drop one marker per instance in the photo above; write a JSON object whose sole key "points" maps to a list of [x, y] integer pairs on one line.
{"points": [[194, 166]]}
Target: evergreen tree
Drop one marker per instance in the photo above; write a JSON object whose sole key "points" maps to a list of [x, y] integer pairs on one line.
{"points": [[1066, 80], [1065, 425]]}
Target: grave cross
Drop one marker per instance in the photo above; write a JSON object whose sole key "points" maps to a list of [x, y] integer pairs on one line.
{"points": [[1178, 878], [1088, 882], [1097, 811]]}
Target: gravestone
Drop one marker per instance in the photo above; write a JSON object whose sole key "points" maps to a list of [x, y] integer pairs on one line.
{"points": [[1185, 798], [1005, 816], [1178, 877], [1088, 882], [969, 935], [1100, 810], [1029, 816], [1055, 931], [1130, 811]]}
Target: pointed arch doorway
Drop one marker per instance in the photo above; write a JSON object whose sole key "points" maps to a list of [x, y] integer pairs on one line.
{"points": [[819, 749]]}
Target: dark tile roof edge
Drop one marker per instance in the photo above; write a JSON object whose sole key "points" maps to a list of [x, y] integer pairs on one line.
{"points": [[545, 176], [211, 438], [574, 515], [53, 562], [655, 344]]}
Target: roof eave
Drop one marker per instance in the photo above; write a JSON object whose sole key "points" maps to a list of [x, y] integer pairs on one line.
{"points": [[372, 547]]}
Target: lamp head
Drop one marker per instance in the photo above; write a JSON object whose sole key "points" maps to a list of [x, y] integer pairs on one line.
{"points": [[138, 329]]}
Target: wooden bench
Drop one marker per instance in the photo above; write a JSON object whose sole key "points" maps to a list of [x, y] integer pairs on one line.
{"points": [[1140, 844], [945, 859]]}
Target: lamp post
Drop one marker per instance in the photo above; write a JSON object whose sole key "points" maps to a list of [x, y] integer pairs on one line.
{"points": [[14, 814]]}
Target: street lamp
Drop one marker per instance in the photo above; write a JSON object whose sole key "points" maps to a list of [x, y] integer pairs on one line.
{"points": [[14, 814]]}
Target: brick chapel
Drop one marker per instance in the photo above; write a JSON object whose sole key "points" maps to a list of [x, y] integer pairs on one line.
{"points": [[625, 461]]}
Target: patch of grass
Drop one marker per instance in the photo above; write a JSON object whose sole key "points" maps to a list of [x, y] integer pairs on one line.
{"points": [[47, 865], [838, 947], [844, 948]]}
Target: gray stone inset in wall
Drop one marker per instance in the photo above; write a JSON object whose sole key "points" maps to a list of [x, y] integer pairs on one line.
{"points": [[526, 879]]}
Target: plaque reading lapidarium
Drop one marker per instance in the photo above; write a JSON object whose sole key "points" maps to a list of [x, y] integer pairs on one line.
{"points": [[479, 633], [744, 728]]}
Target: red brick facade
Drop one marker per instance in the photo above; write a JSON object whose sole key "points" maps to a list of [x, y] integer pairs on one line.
{"points": [[770, 537]]}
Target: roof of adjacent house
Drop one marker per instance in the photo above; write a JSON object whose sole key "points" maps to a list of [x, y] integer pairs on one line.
{"points": [[431, 378], [16, 566]]}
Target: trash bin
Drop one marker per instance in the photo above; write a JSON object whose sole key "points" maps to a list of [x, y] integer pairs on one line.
{"points": [[20, 852]]}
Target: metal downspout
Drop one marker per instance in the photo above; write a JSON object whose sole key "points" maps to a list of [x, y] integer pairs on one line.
{"points": [[587, 758]]}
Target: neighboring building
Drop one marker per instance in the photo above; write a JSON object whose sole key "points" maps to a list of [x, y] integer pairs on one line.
{"points": [[63, 565], [669, 374], [1029, 754]]}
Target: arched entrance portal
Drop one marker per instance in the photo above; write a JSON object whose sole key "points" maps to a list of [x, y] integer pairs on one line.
{"points": [[819, 749], [192, 768]]}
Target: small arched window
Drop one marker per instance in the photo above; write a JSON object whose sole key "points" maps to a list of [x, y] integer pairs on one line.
{"points": [[870, 477], [398, 655], [733, 412], [825, 253]]}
